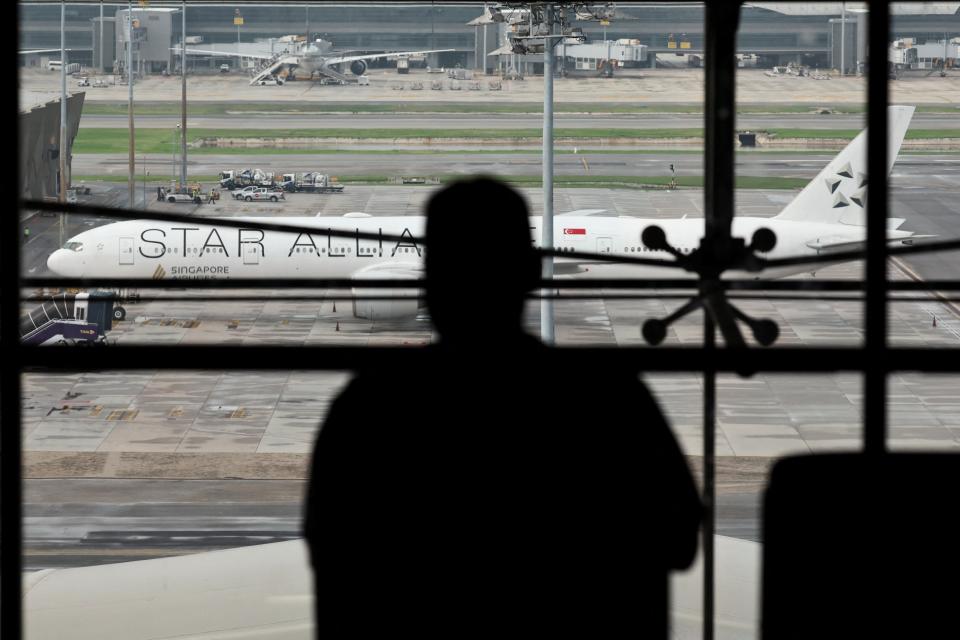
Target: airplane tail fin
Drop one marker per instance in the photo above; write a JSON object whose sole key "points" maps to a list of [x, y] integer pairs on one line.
{"points": [[839, 193]]}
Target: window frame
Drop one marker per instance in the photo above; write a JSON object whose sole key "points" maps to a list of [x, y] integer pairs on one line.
{"points": [[874, 359]]}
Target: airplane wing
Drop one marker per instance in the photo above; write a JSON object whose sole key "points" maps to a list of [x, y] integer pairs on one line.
{"points": [[24, 52], [374, 56], [228, 54]]}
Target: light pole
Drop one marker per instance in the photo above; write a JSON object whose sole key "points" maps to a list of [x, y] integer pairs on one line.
{"points": [[183, 93], [843, 35], [130, 129], [176, 136], [145, 174], [62, 147], [237, 21], [547, 334]]}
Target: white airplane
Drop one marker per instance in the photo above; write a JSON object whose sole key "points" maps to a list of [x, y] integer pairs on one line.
{"points": [[266, 591], [828, 215], [305, 58]]}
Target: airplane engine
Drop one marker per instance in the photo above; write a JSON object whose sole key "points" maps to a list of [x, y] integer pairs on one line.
{"points": [[357, 67], [404, 305], [393, 304]]}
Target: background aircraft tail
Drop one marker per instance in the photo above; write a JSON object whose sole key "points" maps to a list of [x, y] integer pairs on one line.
{"points": [[839, 193]]}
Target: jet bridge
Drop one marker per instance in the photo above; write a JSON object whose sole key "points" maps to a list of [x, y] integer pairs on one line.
{"points": [[69, 318]]}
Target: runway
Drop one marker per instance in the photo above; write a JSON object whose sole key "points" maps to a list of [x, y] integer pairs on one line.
{"points": [[245, 121]]}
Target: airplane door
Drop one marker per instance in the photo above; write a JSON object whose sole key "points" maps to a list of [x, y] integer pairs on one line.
{"points": [[126, 250], [251, 253], [604, 245]]}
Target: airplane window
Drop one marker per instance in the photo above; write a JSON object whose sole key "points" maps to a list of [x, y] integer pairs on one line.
{"points": [[73, 246]]}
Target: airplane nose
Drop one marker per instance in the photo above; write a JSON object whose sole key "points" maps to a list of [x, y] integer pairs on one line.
{"points": [[60, 261]]}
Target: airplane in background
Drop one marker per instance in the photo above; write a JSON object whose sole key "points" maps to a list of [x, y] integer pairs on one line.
{"points": [[266, 591], [302, 57], [828, 215]]}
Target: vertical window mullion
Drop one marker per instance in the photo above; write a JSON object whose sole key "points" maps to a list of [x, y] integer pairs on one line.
{"points": [[720, 33], [11, 484], [875, 309]]}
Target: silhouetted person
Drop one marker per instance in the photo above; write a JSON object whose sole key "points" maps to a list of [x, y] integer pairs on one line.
{"points": [[493, 491]]}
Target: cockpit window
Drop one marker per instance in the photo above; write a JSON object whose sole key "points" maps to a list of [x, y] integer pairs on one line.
{"points": [[73, 246]]}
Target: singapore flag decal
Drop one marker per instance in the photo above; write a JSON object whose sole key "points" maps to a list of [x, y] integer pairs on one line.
{"points": [[574, 232]]}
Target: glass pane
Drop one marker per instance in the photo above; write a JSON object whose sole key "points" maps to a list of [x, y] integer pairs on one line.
{"points": [[924, 412], [798, 157]]}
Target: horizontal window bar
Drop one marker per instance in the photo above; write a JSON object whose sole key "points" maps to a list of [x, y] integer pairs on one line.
{"points": [[406, 283], [307, 357]]}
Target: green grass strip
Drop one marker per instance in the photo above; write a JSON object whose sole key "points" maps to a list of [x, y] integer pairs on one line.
{"points": [[224, 108], [115, 140], [585, 181]]}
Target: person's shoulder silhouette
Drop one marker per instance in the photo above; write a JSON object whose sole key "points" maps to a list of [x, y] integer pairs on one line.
{"points": [[487, 485]]}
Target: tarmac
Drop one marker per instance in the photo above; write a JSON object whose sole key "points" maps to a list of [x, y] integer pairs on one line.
{"points": [[142, 464], [233, 416]]}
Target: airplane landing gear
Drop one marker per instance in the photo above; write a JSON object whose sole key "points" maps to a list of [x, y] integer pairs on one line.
{"points": [[119, 313]]}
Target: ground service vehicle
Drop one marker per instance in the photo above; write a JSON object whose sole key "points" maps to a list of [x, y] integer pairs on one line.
{"points": [[238, 195], [311, 182], [261, 194], [192, 194], [247, 178]]}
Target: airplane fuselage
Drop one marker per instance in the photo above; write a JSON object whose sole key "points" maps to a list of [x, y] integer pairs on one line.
{"points": [[150, 249]]}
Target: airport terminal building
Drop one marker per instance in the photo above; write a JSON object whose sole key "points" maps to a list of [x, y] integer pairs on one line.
{"points": [[777, 33], [39, 131]]}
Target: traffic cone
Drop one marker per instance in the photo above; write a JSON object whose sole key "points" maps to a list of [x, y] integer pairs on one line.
{"points": [[334, 306], [338, 327], [934, 320]]}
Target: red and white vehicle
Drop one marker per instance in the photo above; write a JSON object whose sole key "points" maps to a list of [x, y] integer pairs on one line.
{"points": [[262, 193]]}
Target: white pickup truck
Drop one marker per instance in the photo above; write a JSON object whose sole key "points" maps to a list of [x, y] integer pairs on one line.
{"points": [[262, 193]]}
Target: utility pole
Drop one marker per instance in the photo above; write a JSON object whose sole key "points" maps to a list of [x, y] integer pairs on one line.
{"points": [[145, 174], [130, 157], [843, 36], [485, 49], [103, 67], [546, 241], [62, 147], [237, 20], [183, 93], [173, 161]]}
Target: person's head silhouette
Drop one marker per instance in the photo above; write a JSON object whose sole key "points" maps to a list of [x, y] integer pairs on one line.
{"points": [[480, 262]]}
